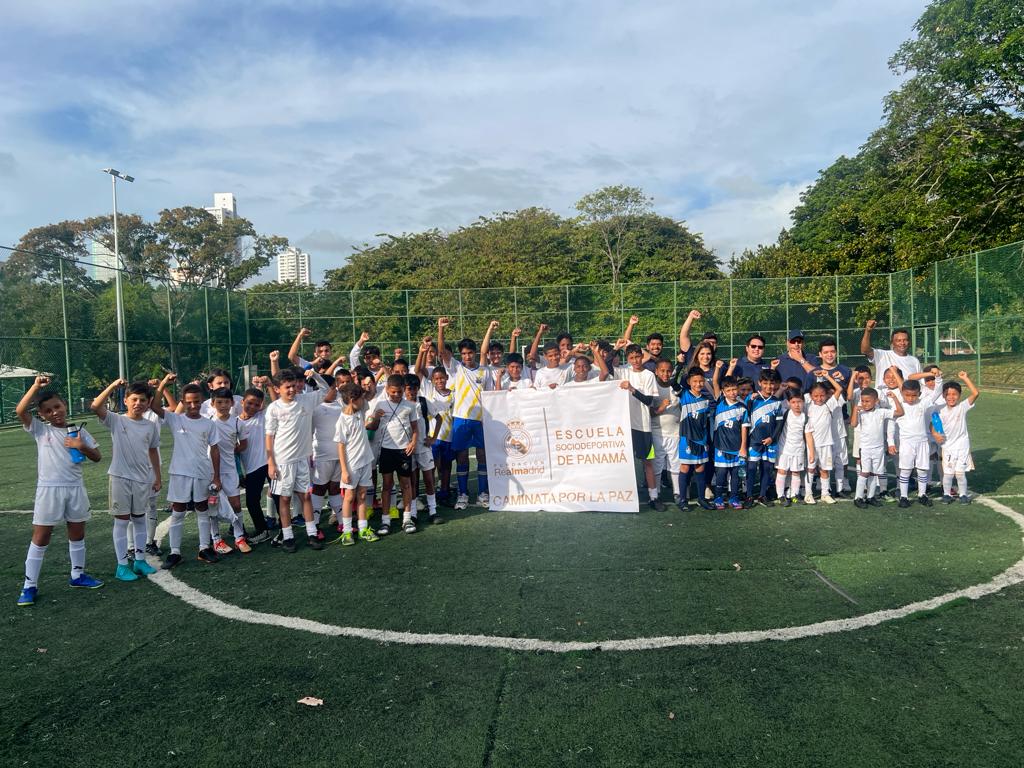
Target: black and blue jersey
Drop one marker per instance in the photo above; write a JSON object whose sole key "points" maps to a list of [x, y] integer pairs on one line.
{"points": [[730, 419]]}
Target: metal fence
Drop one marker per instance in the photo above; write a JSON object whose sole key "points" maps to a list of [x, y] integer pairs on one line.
{"points": [[966, 312]]}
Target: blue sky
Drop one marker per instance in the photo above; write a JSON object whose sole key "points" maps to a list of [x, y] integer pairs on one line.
{"points": [[335, 121]]}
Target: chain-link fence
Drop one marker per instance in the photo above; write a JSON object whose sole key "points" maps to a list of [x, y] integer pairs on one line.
{"points": [[966, 312]]}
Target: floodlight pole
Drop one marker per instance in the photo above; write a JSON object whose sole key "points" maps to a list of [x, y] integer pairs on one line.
{"points": [[122, 355]]}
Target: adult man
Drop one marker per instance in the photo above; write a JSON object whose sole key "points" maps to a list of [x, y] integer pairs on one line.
{"points": [[654, 347], [753, 362], [896, 355], [791, 364]]}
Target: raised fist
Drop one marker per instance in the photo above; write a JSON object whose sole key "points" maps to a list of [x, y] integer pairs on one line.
{"points": [[363, 338], [695, 314], [275, 356], [634, 319], [870, 324], [305, 332]]}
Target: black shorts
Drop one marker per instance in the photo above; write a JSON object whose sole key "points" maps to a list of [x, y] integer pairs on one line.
{"points": [[643, 444], [395, 460]]}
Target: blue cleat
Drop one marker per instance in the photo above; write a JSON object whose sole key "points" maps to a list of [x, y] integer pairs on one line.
{"points": [[85, 581], [125, 573], [719, 502], [142, 568], [28, 596], [735, 503]]}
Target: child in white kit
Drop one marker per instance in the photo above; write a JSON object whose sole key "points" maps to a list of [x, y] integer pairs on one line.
{"points": [[820, 411], [872, 423], [797, 444], [912, 427], [955, 442]]}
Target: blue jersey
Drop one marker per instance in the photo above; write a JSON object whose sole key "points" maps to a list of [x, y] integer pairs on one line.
{"points": [[694, 417], [729, 423], [765, 418]]}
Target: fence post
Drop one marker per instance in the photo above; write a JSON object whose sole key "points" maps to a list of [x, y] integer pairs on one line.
{"points": [[913, 320], [352, 304], [170, 326], [938, 349], [731, 317], [206, 305], [787, 309], [837, 313], [977, 319], [231, 356], [67, 346], [462, 320], [408, 326], [248, 340], [891, 323], [515, 310], [567, 311], [675, 312]]}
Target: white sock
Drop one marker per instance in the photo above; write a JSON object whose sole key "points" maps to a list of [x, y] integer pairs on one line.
{"points": [[414, 507], [652, 494], [873, 486], [139, 530], [151, 520], [826, 486], [947, 485], [335, 503], [203, 519], [882, 481], [121, 541], [363, 524], [674, 477], [961, 483], [33, 565], [311, 529], [214, 523], [287, 533], [862, 487], [794, 484], [780, 485], [922, 482], [176, 531], [237, 526], [904, 483], [76, 550], [432, 504], [318, 502], [346, 525]]}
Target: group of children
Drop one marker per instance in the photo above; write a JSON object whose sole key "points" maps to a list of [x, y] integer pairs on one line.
{"points": [[324, 430]]}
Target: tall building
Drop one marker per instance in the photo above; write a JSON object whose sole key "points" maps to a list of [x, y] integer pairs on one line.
{"points": [[224, 207], [293, 266], [102, 262]]}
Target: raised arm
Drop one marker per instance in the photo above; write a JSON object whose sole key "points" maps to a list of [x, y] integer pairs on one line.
{"points": [[156, 404], [715, 377], [293, 352], [962, 375], [491, 327], [865, 340], [99, 403], [444, 354], [531, 356], [897, 406], [24, 407], [628, 333], [356, 353], [684, 331], [602, 366], [275, 367], [420, 366], [513, 342]]}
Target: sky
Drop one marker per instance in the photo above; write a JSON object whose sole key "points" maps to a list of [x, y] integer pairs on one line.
{"points": [[333, 122]]}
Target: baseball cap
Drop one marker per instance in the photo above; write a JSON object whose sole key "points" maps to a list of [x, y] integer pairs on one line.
{"points": [[796, 333]]}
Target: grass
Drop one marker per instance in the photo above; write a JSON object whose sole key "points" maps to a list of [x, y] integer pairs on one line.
{"points": [[128, 675]]}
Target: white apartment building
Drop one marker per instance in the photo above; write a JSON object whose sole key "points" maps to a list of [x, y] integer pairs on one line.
{"points": [[293, 266]]}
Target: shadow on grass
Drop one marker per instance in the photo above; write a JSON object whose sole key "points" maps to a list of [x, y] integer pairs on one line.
{"points": [[992, 474]]}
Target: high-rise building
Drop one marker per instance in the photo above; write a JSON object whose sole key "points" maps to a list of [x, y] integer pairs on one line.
{"points": [[102, 262], [224, 206], [293, 266]]}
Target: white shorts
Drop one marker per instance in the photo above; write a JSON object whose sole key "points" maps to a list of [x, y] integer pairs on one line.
{"points": [[840, 454], [666, 453], [792, 462], [914, 454], [229, 481], [822, 458], [359, 477], [182, 489], [129, 497], [872, 463], [292, 477], [326, 471], [60, 504], [956, 461], [423, 459]]}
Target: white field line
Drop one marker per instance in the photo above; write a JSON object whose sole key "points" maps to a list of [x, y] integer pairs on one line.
{"points": [[1012, 575]]}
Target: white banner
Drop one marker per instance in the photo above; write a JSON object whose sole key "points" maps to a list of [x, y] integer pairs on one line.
{"points": [[565, 450]]}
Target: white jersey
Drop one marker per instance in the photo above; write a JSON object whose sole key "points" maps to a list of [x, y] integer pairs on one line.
{"points": [[792, 438], [467, 384], [884, 359], [192, 440], [396, 425], [325, 420], [230, 432], [524, 382], [56, 469], [592, 375], [954, 427], [543, 378], [915, 423], [131, 441], [643, 381], [665, 424], [872, 428], [350, 431], [207, 411], [292, 426], [255, 454], [819, 419], [151, 417], [443, 405]]}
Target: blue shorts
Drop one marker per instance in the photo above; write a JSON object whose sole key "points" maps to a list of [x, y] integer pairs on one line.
{"points": [[466, 434], [442, 450], [692, 453], [764, 453], [728, 459]]}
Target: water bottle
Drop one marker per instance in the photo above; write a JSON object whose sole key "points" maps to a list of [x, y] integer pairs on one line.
{"points": [[213, 495], [77, 457], [937, 423], [743, 472]]}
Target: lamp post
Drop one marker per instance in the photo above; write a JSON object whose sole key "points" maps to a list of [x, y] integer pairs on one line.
{"points": [[122, 356]]}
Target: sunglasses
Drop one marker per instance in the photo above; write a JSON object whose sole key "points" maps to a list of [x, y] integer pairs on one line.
{"points": [[756, 346]]}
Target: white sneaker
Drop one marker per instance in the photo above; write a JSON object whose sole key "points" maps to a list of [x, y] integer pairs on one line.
{"points": [[809, 499], [483, 499], [462, 502], [826, 498]]}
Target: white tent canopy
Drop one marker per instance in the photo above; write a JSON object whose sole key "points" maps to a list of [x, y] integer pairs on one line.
{"points": [[16, 372]]}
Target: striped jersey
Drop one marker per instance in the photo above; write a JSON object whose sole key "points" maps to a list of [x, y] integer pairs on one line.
{"points": [[729, 422], [467, 384], [765, 418], [694, 411], [443, 405]]}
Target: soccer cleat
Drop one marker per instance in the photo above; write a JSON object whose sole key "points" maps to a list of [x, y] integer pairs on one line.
{"points": [[735, 502], [288, 545], [657, 504], [483, 499], [278, 540], [346, 539], [683, 504], [125, 573], [947, 499], [394, 514], [409, 526], [924, 501], [207, 555], [749, 502], [320, 535], [298, 520], [826, 498], [844, 493], [462, 502], [786, 501], [130, 554], [85, 581], [860, 503], [143, 568], [903, 503], [221, 547], [436, 519], [314, 542], [809, 498], [28, 596], [153, 549], [367, 535], [260, 537], [874, 501], [172, 560], [242, 545], [332, 519], [384, 530], [704, 503], [965, 499], [719, 502], [377, 505]]}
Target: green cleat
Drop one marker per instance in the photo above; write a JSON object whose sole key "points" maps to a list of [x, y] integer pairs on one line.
{"points": [[346, 539], [142, 568], [125, 573], [367, 535]]}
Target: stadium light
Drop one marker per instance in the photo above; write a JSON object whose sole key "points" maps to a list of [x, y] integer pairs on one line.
{"points": [[122, 354]]}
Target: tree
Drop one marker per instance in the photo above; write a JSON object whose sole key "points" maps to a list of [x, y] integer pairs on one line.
{"points": [[608, 216]]}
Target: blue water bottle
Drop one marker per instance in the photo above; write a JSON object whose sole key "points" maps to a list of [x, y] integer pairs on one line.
{"points": [[77, 456], [937, 423]]}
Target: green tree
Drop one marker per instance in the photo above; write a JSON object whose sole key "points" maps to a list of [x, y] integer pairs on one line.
{"points": [[609, 218]]}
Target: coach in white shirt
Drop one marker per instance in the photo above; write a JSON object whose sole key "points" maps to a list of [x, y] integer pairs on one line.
{"points": [[884, 359]]}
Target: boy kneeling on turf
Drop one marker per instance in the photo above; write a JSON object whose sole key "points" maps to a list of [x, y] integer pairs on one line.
{"points": [[60, 491]]}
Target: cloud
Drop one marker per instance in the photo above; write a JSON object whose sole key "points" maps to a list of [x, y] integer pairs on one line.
{"points": [[7, 165]]}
